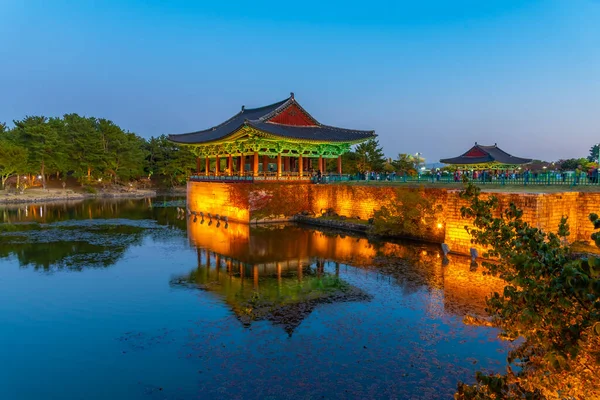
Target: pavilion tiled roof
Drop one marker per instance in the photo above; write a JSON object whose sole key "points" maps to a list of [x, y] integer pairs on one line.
{"points": [[261, 120], [479, 154]]}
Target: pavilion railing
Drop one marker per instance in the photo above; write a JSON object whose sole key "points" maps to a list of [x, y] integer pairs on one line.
{"points": [[249, 177], [556, 178]]}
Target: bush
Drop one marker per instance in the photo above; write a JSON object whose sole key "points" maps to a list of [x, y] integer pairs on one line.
{"points": [[551, 300], [90, 189], [413, 214]]}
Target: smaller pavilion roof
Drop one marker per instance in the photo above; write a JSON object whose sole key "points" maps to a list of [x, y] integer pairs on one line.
{"points": [[480, 154]]}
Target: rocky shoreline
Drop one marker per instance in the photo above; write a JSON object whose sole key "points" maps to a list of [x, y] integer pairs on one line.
{"points": [[333, 224], [53, 195]]}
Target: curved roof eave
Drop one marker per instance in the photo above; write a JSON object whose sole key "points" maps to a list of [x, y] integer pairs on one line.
{"points": [[316, 141]]}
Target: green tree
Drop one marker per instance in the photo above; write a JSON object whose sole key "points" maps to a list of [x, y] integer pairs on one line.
{"points": [[124, 152], [370, 156], [551, 300], [169, 161], [40, 136], [573, 163], [594, 153], [83, 143], [389, 166], [406, 164], [349, 163], [13, 158]]}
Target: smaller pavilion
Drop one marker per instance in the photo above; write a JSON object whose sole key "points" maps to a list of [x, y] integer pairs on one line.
{"points": [[481, 157], [284, 136]]}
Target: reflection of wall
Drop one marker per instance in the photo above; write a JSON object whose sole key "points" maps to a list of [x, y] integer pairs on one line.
{"points": [[230, 241], [267, 250], [269, 244], [466, 288], [246, 202]]}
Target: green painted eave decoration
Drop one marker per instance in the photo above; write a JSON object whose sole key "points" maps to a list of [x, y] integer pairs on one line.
{"points": [[487, 166], [247, 140], [271, 147]]}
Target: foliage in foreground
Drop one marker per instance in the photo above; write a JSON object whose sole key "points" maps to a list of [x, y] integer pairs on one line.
{"points": [[551, 302]]}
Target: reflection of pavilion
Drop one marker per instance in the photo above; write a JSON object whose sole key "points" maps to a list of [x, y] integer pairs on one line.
{"points": [[282, 272], [282, 292]]}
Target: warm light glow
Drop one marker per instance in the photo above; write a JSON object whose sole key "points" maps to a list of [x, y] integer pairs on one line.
{"points": [[39, 177], [214, 198], [439, 225]]}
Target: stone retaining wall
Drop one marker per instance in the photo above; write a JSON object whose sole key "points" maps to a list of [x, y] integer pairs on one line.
{"points": [[267, 202]]}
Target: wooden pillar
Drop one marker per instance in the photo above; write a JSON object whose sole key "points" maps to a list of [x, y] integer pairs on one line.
{"points": [[242, 164], [207, 166], [339, 160], [255, 164], [278, 165], [286, 165], [321, 164], [265, 164], [217, 161], [279, 273], [198, 165], [300, 165], [255, 273]]}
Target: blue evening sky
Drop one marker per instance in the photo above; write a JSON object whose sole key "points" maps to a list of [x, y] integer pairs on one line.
{"points": [[429, 76]]}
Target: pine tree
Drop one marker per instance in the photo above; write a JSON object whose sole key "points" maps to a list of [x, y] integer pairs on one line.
{"points": [[370, 156]]}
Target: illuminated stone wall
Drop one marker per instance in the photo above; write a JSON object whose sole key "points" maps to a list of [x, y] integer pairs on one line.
{"points": [[542, 210], [278, 202], [215, 198]]}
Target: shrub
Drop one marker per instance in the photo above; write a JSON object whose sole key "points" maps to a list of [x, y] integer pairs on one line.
{"points": [[90, 189], [551, 300], [413, 214]]}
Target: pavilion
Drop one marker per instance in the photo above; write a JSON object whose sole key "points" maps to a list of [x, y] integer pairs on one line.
{"points": [[287, 138], [481, 157]]}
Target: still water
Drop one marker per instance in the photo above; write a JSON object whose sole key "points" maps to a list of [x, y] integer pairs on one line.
{"points": [[131, 300]]}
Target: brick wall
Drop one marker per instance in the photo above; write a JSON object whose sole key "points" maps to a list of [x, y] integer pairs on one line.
{"points": [[284, 200]]}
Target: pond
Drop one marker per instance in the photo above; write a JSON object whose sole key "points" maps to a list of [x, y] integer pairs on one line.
{"points": [[133, 299]]}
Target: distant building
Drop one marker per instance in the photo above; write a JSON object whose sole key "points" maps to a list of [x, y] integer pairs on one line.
{"points": [[486, 158]]}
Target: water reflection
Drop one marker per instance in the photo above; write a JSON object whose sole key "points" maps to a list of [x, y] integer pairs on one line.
{"points": [[259, 269], [255, 259], [283, 292], [91, 233], [328, 315]]}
